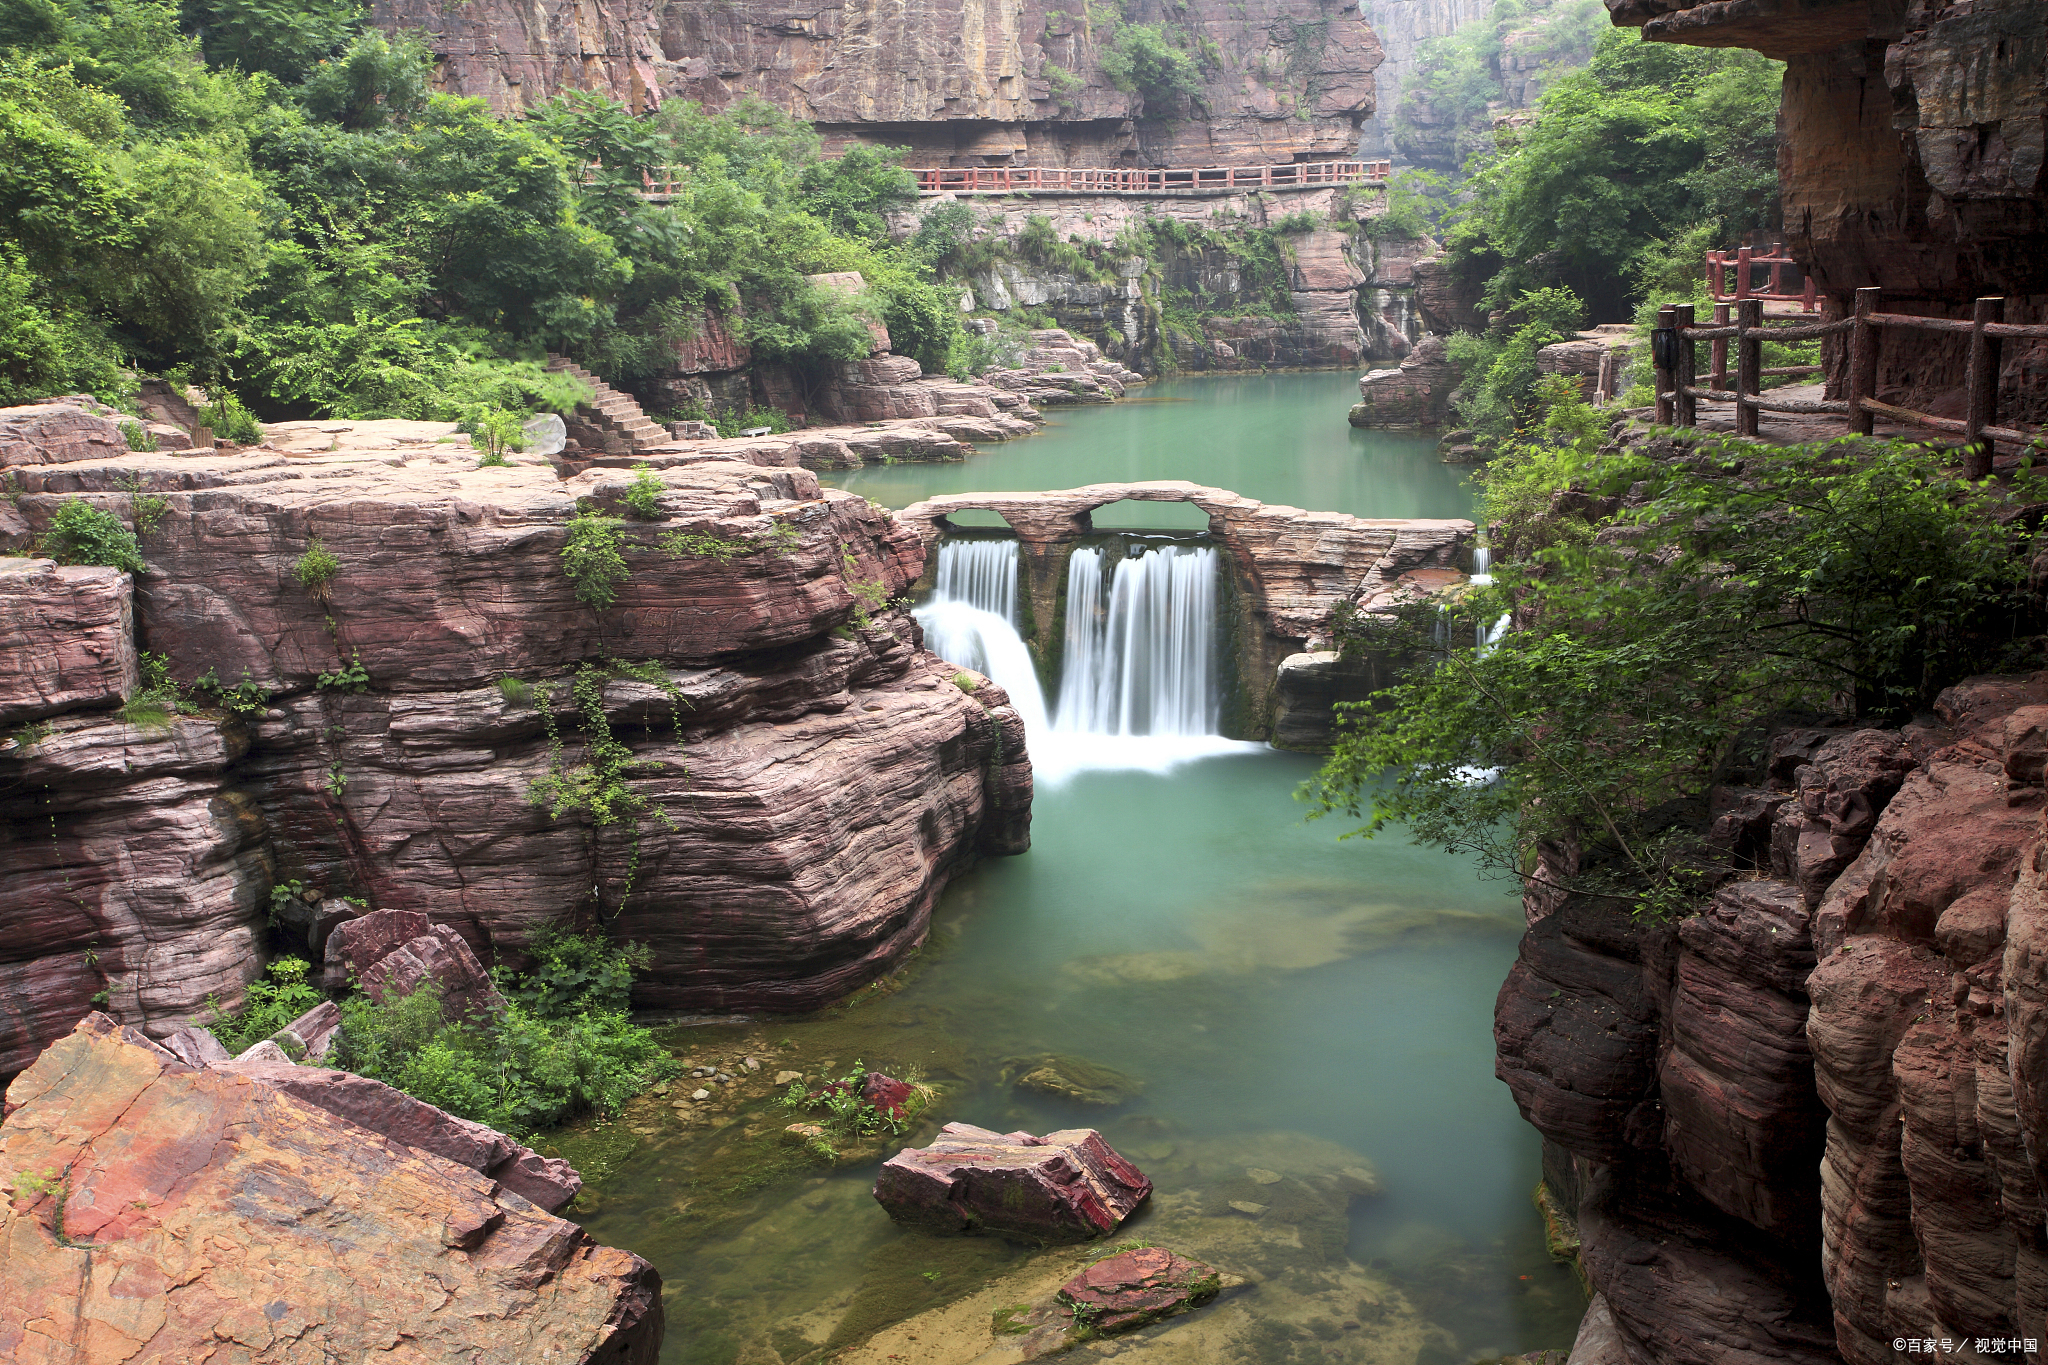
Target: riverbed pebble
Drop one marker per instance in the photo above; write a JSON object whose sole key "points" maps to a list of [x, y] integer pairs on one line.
{"points": [[700, 1094], [751, 1064], [785, 1077], [1246, 1206], [1261, 1176], [724, 1079]]}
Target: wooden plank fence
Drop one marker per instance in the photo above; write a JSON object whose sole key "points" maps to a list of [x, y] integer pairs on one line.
{"points": [[1674, 348], [1744, 262], [1134, 181]]}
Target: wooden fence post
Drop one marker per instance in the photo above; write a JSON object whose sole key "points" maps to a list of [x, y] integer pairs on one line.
{"points": [[1718, 350], [1749, 362], [1863, 361], [1741, 273], [1686, 403], [1983, 384], [1662, 381]]}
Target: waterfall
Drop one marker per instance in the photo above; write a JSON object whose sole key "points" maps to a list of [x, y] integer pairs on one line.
{"points": [[1142, 662], [981, 573], [971, 621], [1489, 636], [1142, 686], [1482, 566]]}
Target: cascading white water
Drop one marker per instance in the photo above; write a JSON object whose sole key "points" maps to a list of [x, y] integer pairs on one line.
{"points": [[971, 621], [1141, 688], [1141, 661], [1482, 566]]}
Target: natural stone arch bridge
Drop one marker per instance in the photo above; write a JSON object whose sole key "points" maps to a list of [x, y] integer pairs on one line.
{"points": [[1289, 567]]}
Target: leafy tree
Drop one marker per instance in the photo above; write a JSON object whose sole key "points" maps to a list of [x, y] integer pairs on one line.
{"points": [[1740, 581], [285, 40], [374, 83]]}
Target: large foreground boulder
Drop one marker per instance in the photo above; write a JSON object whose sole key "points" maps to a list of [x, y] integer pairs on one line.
{"points": [[160, 1214], [1067, 1186]]}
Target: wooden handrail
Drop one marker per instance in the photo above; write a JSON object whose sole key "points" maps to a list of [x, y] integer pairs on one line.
{"points": [[1677, 395], [1148, 180]]}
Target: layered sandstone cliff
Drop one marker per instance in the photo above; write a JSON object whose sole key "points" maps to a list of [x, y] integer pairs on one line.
{"points": [[807, 777], [960, 84], [1807, 1120]]}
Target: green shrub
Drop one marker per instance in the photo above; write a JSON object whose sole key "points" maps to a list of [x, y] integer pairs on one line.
{"points": [[592, 559], [315, 570], [643, 496], [564, 1044], [230, 421], [733, 424], [83, 534], [267, 1006], [138, 436], [494, 431]]}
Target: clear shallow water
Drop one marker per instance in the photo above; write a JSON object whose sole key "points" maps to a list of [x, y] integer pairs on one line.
{"points": [[1280, 438], [1300, 1014]]}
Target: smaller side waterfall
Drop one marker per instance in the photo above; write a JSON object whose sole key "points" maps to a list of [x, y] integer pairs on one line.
{"points": [[1482, 566], [981, 573], [972, 621]]}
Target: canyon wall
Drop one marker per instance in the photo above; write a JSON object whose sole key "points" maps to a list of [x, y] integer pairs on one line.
{"points": [[968, 84], [1402, 26], [1188, 298], [794, 780], [1911, 142]]}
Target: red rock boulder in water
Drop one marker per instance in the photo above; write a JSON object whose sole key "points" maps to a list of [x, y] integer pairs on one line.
{"points": [[1064, 1187], [886, 1094], [1133, 1288]]}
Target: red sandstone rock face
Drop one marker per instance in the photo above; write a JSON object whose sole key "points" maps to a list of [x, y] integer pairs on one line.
{"points": [[811, 783], [966, 84], [186, 1233], [1416, 394], [67, 639], [1707, 1179], [1067, 1186]]}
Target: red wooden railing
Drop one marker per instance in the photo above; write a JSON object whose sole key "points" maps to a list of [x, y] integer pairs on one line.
{"points": [[1678, 395], [1120, 180], [1745, 261]]}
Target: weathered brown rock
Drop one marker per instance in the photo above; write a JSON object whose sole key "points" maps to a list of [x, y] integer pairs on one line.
{"points": [[959, 84], [817, 781], [185, 1231], [1133, 1289], [1416, 394], [67, 639], [1064, 1187], [392, 952], [59, 431]]}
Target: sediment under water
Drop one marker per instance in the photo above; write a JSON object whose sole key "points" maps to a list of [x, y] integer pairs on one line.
{"points": [[1302, 1019]]}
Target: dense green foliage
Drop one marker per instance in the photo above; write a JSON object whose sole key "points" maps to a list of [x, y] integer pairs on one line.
{"points": [[272, 201], [563, 1045], [267, 1005], [1733, 582], [80, 533], [1648, 140]]}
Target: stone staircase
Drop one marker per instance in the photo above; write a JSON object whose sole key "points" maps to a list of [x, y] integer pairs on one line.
{"points": [[614, 414]]}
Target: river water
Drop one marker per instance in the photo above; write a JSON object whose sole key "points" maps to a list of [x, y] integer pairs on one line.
{"points": [[1298, 1029]]}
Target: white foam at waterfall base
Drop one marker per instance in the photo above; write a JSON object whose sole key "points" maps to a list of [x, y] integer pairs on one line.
{"points": [[1142, 692]]}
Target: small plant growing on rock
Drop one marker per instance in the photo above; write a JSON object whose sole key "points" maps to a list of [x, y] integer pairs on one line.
{"points": [[151, 706], [592, 559], [32, 1186], [316, 569], [83, 534], [494, 431], [643, 496], [267, 1005], [697, 545], [139, 437], [515, 692], [245, 698], [348, 677], [964, 681], [146, 509]]}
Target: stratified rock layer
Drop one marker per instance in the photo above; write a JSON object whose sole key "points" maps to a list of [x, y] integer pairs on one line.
{"points": [[810, 778], [209, 1215], [1067, 1186], [1834, 1066], [961, 84]]}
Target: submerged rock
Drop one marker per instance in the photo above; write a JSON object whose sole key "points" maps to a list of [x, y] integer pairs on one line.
{"points": [[1071, 1078], [1134, 1288], [1067, 1186], [165, 1214]]}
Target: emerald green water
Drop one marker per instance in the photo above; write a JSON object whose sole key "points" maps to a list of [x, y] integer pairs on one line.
{"points": [[1280, 438], [1298, 1011]]}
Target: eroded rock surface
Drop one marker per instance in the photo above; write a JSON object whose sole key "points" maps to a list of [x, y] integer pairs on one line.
{"points": [[1832, 1067], [209, 1214], [810, 776], [1067, 1186]]}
